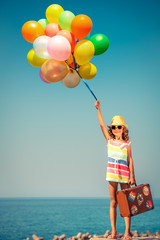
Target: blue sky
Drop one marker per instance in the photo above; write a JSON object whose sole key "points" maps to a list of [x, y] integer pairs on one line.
{"points": [[51, 144]]}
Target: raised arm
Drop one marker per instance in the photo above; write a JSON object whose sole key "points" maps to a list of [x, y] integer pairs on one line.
{"points": [[101, 122]]}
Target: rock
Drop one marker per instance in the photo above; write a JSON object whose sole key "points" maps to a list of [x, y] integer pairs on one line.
{"points": [[98, 236], [148, 233], [119, 235], [85, 236], [55, 237], [62, 237], [135, 233], [106, 234], [143, 234], [157, 234], [79, 235], [37, 238], [74, 238]]}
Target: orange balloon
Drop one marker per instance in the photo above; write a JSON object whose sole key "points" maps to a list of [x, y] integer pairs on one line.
{"points": [[70, 59], [81, 26], [70, 38], [52, 29], [54, 71], [31, 30]]}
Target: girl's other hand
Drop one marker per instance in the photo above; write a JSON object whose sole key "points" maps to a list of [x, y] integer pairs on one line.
{"points": [[97, 104], [131, 181]]}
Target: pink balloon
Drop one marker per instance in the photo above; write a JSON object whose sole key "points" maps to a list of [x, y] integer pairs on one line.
{"points": [[40, 74], [70, 37], [59, 48], [52, 29]]}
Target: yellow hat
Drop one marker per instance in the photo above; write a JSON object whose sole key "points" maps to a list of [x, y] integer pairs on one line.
{"points": [[118, 120]]}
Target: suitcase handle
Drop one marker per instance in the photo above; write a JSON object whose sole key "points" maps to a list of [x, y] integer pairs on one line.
{"points": [[134, 184]]}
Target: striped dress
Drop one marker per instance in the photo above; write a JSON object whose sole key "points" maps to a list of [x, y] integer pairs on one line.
{"points": [[117, 167]]}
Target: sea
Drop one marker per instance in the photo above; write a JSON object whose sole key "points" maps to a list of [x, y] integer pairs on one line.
{"points": [[22, 217]]}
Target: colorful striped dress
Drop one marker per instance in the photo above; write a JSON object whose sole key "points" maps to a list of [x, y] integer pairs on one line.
{"points": [[117, 167]]}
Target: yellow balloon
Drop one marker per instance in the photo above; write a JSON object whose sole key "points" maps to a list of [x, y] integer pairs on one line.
{"points": [[70, 59], [84, 51], [53, 12], [34, 60], [88, 71]]}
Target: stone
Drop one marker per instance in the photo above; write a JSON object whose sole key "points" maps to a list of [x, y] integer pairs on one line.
{"points": [[106, 234], [85, 236], [119, 235], [98, 238], [62, 237], [135, 233], [148, 233], [55, 237], [143, 234], [74, 238], [79, 235], [37, 238]]}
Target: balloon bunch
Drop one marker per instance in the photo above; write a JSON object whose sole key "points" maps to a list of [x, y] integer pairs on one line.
{"points": [[62, 46]]}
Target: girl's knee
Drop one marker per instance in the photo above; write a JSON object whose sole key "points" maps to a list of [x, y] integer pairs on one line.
{"points": [[113, 203]]}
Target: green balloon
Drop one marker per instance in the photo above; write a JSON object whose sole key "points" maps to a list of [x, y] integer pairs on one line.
{"points": [[100, 42], [65, 20], [43, 22]]}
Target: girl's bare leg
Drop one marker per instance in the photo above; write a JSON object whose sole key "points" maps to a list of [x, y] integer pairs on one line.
{"points": [[113, 205], [126, 219]]}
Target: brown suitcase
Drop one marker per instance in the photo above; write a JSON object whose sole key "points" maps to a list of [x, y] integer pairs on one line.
{"points": [[135, 200]]}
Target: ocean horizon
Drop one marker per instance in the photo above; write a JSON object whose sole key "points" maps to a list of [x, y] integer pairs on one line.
{"points": [[21, 217]]}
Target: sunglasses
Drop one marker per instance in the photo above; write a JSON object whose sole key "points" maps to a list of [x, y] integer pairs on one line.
{"points": [[115, 127]]}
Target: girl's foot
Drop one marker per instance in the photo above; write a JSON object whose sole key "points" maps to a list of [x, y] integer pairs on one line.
{"points": [[112, 236], [127, 237]]}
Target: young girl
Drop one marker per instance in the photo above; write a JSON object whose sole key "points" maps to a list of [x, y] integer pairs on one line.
{"points": [[120, 165]]}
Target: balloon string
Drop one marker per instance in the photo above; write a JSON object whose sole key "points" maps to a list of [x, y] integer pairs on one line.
{"points": [[85, 83], [89, 89], [76, 66], [74, 63]]}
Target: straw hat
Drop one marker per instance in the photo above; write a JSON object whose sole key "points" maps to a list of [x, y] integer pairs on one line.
{"points": [[118, 120]]}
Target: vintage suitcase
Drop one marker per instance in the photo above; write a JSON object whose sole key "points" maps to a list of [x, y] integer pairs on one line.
{"points": [[135, 200]]}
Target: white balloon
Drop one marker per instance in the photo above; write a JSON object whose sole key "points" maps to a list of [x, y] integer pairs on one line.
{"points": [[72, 79], [40, 47]]}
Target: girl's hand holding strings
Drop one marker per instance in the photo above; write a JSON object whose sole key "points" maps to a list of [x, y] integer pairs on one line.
{"points": [[97, 105]]}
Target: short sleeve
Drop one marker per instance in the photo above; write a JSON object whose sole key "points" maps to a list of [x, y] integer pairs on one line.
{"points": [[129, 144]]}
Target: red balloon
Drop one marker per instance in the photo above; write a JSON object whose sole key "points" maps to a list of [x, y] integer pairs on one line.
{"points": [[70, 38]]}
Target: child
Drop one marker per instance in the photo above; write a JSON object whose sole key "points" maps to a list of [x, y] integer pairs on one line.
{"points": [[120, 165]]}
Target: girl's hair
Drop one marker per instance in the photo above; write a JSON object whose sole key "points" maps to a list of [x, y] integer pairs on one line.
{"points": [[125, 136]]}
